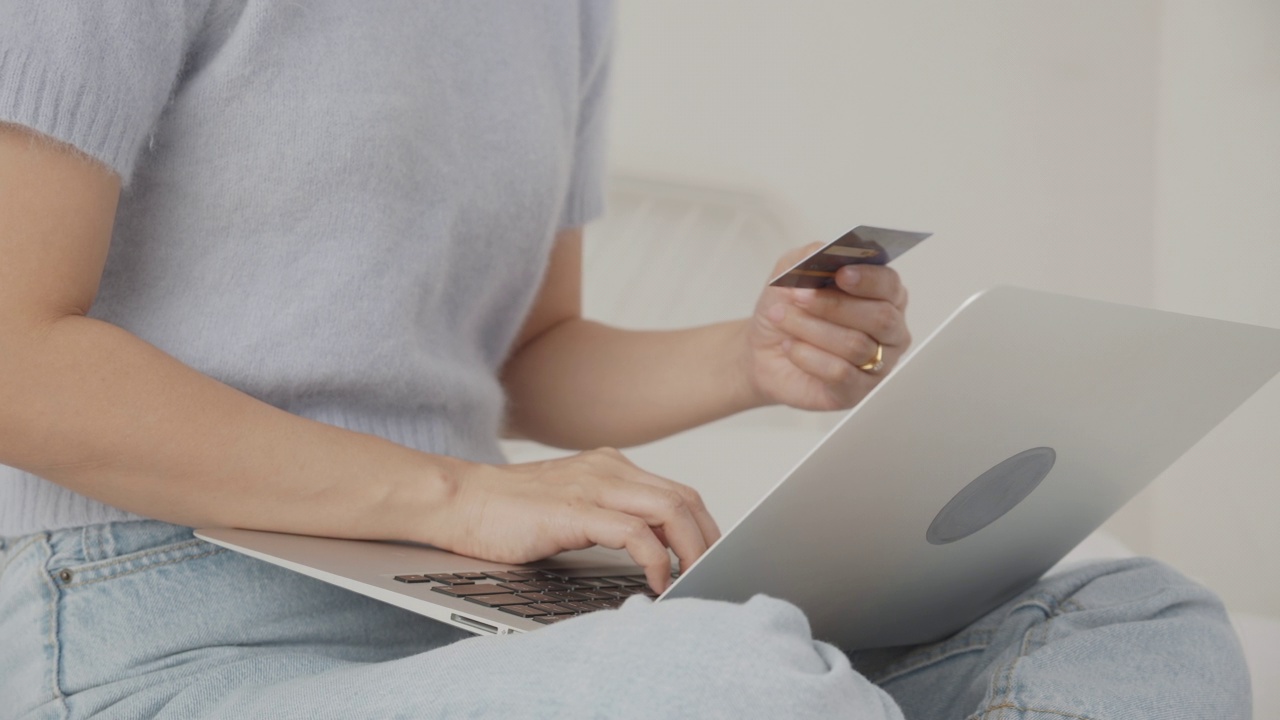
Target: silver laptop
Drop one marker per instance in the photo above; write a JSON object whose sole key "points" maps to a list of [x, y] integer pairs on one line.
{"points": [[1011, 433]]}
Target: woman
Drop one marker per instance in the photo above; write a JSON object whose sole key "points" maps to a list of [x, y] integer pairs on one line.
{"points": [[295, 267]]}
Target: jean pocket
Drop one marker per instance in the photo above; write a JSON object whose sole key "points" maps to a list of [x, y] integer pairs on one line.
{"points": [[70, 576]]}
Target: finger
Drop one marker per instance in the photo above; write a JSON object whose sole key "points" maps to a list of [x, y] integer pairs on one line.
{"points": [[660, 508], [876, 282], [880, 319], [693, 500], [855, 346], [615, 463], [618, 530], [839, 375]]}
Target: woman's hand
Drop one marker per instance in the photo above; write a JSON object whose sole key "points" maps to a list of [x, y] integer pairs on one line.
{"points": [[526, 512], [804, 347]]}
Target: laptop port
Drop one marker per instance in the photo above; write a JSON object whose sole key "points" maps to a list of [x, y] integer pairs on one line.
{"points": [[472, 623]]}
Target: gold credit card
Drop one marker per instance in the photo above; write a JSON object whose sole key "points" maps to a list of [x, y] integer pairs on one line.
{"points": [[863, 244]]}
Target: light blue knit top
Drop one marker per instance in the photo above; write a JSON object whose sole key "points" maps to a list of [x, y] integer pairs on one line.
{"points": [[341, 208]]}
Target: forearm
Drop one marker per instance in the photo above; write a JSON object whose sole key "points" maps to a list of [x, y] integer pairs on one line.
{"points": [[93, 408], [583, 384]]}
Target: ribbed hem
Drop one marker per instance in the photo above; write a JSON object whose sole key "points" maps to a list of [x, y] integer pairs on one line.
{"points": [[30, 504], [35, 96]]}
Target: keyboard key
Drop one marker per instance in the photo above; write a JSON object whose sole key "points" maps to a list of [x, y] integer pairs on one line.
{"points": [[627, 582], [505, 576], [579, 607], [413, 578], [592, 572], [466, 590], [532, 575], [522, 610], [472, 575], [449, 579], [567, 595], [592, 582], [597, 595], [548, 585], [551, 619], [597, 605], [553, 609], [540, 597], [519, 586], [499, 600]]}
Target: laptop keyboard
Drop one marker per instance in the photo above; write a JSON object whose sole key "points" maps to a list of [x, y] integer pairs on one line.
{"points": [[545, 596]]}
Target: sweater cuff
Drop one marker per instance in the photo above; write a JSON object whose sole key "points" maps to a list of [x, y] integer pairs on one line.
{"points": [[71, 112]]}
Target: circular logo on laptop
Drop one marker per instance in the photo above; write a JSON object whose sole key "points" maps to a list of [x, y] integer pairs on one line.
{"points": [[990, 495]]}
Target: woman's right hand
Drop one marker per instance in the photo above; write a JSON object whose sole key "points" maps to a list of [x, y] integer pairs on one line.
{"points": [[530, 511]]}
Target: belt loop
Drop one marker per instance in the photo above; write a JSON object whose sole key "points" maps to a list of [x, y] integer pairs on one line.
{"points": [[96, 542]]}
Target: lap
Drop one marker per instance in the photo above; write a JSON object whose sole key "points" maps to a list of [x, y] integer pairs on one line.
{"points": [[142, 620], [137, 620]]}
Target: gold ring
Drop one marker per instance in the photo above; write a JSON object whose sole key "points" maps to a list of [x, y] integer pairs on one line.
{"points": [[875, 364]]}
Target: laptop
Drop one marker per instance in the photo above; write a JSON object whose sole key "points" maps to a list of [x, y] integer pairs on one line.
{"points": [[1007, 436]]}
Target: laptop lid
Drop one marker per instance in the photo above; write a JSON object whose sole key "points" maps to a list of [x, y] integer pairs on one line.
{"points": [[1016, 429], [1012, 432]]}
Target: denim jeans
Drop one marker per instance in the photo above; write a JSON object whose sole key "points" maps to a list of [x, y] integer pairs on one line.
{"points": [[141, 620]]}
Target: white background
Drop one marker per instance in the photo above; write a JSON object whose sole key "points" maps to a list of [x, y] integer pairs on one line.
{"points": [[1126, 150]]}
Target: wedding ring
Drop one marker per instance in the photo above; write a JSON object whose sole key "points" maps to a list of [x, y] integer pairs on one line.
{"points": [[875, 364]]}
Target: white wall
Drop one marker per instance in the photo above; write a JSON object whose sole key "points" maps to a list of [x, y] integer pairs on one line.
{"points": [[1022, 133], [1033, 138], [1218, 254]]}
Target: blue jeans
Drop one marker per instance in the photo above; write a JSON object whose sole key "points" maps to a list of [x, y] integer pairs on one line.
{"points": [[141, 620]]}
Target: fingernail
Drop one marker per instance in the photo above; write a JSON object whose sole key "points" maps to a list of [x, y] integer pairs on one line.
{"points": [[803, 296], [850, 274], [776, 313]]}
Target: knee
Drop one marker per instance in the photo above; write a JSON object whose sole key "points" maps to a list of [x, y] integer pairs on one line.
{"points": [[1141, 588], [755, 658], [1145, 605]]}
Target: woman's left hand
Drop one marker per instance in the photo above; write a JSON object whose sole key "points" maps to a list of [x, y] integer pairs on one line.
{"points": [[805, 346]]}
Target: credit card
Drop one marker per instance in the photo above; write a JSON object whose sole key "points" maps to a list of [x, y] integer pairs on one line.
{"points": [[863, 244]]}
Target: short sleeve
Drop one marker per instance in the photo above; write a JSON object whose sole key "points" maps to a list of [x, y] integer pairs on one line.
{"points": [[95, 75], [585, 199]]}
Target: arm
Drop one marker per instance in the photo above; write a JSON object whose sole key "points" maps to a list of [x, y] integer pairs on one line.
{"points": [[95, 409], [574, 383], [92, 407]]}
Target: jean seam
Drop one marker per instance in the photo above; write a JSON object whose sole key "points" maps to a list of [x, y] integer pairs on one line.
{"points": [[15, 552], [148, 566], [1046, 711], [96, 543], [55, 644], [1034, 638], [131, 557], [1071, 605], [896, 671]]}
